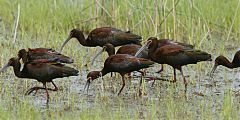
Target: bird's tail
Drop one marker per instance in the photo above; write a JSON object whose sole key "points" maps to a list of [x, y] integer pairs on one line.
{"points": [[68, 71], [144, 63], [200, 56], [136, 39]]}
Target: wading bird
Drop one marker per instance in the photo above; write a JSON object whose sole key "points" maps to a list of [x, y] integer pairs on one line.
{"points": [[174, 55], [41, 70], [221, 60], [122, 64], [102, 36], [131, 49], [163, 42], [42, 53]]}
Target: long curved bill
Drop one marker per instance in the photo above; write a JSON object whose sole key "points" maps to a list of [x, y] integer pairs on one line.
{"points": [[213, 70], [65, 42], [100, 52], [87, 85], [143, 47], [4, 68]]}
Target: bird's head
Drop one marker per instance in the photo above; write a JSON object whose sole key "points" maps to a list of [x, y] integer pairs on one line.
{"points": [[153, 42], [11, 62], [220, 60], [74, 33], [146, 45], [22, 54], [91, 76]]}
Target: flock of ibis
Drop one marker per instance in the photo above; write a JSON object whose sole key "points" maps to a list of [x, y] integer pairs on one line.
{"points": [[44, 64]]}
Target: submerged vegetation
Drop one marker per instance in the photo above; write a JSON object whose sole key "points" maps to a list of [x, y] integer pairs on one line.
{"points": [[210, 25]]}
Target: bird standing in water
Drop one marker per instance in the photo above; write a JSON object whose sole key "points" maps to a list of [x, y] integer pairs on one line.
{"points": [[43, 53], [103, 36], [41, 70], [122, 64], [174, 55], [221, 60]]}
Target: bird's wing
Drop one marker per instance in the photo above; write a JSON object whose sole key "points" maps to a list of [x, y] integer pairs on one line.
{"points": [[123, 62], [49, 70], [50, 56], [101, 36], [101, 33], [171, 42], [169, 50]]}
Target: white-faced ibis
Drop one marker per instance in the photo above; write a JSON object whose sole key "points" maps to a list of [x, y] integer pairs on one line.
{"points": [[41, 70], [163, 42], [102, 36], [174, 55], [120, 63], [221, 60], [42, 53], [129, 49]]}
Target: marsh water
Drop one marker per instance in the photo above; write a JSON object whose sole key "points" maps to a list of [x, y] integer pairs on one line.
{"points": [[204, 94]]}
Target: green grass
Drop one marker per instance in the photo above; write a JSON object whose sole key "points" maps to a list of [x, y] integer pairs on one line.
{"points": [[211, 25]]}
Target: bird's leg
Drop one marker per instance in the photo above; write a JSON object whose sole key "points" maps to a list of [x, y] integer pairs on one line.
{"points": [[142, 73], [160, 69], [174, 75], [55, 87], [123, 84], [36, 91], [184, 80], [153, 82], [129, 75], [140, 85], [33, 89], [37, 88], [44, 84]]}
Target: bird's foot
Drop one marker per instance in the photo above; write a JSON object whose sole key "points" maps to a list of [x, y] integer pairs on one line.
{"points": [[31, 90], [159, 71], [36, 89]]}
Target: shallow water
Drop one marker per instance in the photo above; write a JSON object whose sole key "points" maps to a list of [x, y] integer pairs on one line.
{"points": [[102, 93]]}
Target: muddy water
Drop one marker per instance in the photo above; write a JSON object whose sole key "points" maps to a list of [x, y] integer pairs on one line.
{"points": [[71, 95]]}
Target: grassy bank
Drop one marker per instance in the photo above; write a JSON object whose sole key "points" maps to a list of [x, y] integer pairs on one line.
{"points": [[211, 25]]}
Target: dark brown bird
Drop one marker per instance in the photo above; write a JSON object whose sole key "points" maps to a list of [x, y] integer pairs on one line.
{"points": [[120, 63], [102, 36], [131, 49], [163, 42], [221, 60], [174, 55], [41, 70], [42, 53]]}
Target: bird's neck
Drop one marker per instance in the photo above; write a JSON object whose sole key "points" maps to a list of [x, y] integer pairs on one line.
{"points": [[228, 64], [16, 69], [151, 52], [153, 47], [110, 49], [236, 59], [103, 72], [81, 39]]}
